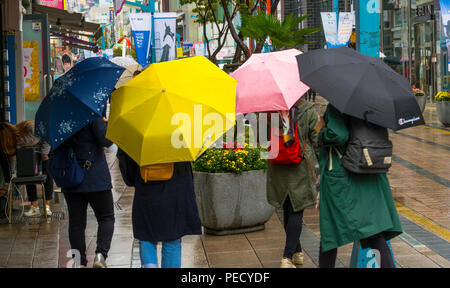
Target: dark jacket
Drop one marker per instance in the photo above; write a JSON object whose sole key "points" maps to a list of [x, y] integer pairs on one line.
{"points": [[297, 181], [88, 144], [352, 206], [162, 210]]}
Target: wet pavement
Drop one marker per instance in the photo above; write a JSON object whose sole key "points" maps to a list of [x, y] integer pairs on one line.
{"points": [[420, 183]]}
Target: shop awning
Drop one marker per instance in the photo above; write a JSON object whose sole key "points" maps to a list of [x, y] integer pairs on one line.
{"points": [[73, 24]]}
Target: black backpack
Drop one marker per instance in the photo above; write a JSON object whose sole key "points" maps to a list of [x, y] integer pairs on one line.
{"points": [[368, 150]]}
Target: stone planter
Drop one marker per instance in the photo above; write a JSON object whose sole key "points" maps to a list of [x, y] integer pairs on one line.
{"points": [[230, 204], [443, 112], [422, 100]]}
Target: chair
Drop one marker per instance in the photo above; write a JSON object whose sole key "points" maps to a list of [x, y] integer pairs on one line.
{"points": [[16, 182]]}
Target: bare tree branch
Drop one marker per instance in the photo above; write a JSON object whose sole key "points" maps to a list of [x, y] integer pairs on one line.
{"points": [[235, 35]]}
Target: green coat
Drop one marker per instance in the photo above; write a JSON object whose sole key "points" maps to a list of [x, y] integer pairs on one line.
{"points": [[352, 206], [296, 180]]}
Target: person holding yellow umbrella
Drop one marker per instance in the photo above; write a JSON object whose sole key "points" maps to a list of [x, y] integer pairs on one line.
{"points": [[163, 119]]}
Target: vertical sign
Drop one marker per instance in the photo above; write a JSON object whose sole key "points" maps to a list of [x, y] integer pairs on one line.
{"points": [[165, 36], [369, 22], [329, 21], [445, 12], [141, 26], [345, 28]]}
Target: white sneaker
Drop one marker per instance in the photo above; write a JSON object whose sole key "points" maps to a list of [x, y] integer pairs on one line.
{"points": [[32, 212], [47, 209], [287, 263]]}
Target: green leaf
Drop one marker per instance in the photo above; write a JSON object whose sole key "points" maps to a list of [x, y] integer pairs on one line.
{"points": [[283, 34]]}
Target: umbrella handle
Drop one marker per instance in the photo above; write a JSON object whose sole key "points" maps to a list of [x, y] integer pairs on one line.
{"points": [[365, 115]]}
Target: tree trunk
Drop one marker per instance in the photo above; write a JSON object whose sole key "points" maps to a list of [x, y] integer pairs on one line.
{"points": [[220, 46], [259, 47], [274, 7], [234, 34], [237, 55]]}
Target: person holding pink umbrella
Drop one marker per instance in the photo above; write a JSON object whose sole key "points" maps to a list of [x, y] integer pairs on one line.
{"points": [[270, 82]]}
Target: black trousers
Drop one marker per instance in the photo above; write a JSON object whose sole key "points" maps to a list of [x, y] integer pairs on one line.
{"points": [[103, 206], [293, 223], [376, 242], [48, 185]]}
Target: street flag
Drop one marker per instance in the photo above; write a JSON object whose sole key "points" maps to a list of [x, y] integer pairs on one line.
{"points": [[329, 21], [141, 26], [345, 27], [165, 36]]}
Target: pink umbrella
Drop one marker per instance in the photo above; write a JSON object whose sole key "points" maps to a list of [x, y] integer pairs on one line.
{"points": [[268, 82]]}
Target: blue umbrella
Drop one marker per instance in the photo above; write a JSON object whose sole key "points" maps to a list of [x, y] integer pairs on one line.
{"points": [[76, 98]]}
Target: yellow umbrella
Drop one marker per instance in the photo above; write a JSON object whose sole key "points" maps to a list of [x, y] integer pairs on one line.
{"points": [[172, 111]]}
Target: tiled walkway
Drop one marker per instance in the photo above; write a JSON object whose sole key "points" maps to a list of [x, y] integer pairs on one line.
{"points": [[420, 183]]}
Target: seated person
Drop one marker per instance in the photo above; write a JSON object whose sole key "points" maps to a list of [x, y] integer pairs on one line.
{"points": [[26, 138]]}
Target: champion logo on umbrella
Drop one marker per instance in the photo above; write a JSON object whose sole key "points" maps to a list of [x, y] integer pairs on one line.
{"points": [[403, 121]]}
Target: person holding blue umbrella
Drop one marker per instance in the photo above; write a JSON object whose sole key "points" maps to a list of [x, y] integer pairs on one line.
{"points": [[70, 119]]}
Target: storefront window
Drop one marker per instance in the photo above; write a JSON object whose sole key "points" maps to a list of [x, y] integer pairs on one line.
{"points": [[411, 42]]}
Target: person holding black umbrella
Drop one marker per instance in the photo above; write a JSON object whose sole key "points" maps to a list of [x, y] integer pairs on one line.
{"points": [[356, 204], [353, 207]]}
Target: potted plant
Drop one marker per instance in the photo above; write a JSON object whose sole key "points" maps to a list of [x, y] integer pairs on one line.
{"points": [[421, 98], [230, 185], [443, 107]]}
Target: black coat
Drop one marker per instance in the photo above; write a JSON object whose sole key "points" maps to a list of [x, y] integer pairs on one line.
{"points": [[162, 210], [88, 144]]}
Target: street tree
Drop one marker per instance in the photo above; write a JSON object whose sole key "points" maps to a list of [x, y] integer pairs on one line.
{"points": [[283, 34], [206, 12]]}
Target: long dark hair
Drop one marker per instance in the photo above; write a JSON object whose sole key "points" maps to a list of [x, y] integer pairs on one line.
{"points": [[8, 138]]}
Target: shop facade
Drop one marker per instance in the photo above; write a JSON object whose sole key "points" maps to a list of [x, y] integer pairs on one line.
{"points": [[412, 42]]}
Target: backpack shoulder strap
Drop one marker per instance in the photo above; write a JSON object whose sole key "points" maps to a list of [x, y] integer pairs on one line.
{"points": [[303, 151], [330, 156]]}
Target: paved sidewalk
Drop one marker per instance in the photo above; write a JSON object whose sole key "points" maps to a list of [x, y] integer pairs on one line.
{"points": [[419, 180]]}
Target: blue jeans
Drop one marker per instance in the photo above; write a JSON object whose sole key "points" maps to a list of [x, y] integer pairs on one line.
{"points": [[171, 254]]}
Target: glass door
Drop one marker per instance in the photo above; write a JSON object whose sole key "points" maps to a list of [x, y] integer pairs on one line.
{"points": [[423, 51]]}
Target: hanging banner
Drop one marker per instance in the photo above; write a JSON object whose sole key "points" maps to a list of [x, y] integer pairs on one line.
{"points": [[369, 22], [345, 27], [329, 21], [165, 36], [118, 4], [141, 26], [31, 70]]}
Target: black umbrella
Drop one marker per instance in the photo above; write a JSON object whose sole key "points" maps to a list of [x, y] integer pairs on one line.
{"points": [[361, 86]]}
